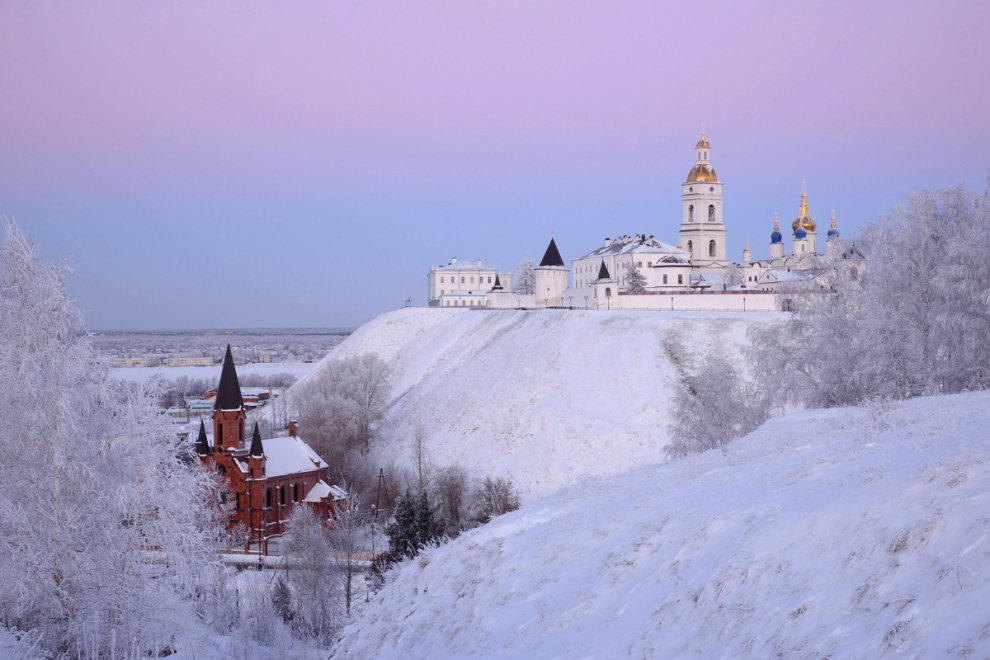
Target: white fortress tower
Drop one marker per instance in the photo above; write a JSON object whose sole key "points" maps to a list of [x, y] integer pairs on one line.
{"points": [[550, 278], [702, 226]]}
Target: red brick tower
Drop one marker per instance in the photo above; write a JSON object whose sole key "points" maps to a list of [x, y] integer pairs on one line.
{"points": [[228, 410]]}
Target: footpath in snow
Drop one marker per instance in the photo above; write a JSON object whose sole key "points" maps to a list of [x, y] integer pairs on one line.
{"points": [[844, 533], [546, 397]]}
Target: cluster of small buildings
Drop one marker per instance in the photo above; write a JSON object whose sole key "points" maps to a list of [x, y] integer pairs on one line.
{"points": [[639, 272]]}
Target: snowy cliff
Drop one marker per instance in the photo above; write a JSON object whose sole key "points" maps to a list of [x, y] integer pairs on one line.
{"points": [[544, 397], [857, 532]]}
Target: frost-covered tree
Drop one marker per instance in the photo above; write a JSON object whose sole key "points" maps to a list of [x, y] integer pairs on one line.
{"points": [[340, 404], [913, 318], [313, 577], [636, 282], [414, 527], [346, 539], [524, 277], [105, 539], [713, 407]]}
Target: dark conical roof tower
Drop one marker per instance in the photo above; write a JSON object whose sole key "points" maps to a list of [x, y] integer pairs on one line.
{"points": [[202, 446], [552, 256], [229, 390], [603, 272], [498, 284], [257, 449]]}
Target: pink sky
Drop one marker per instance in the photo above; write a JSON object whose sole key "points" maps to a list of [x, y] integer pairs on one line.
{"points": [[426, 112]]}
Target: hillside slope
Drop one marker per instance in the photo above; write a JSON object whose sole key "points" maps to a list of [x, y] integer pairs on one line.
{"points": [[853, 533], [545, 397]]}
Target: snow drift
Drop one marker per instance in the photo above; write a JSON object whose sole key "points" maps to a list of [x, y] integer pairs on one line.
{"points": [[852, 532], [545, 397]]}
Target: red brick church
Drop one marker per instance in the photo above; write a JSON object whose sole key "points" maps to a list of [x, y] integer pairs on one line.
{"points": [[266, 478]]}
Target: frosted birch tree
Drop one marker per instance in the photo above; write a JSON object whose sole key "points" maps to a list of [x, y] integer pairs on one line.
{"points": [[524, 277], [104, 534]]}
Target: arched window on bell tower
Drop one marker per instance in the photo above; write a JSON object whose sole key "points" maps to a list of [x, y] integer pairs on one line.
{"points": [[711, 213], [691, 213], [711, 248], [690, 247]]}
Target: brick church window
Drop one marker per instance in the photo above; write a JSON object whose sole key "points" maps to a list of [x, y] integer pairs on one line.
{"points": [[281, 495], [295, 492], [268, 498]]}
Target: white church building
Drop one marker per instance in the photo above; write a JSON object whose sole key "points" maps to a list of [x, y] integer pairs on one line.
{"points": [[640, 272]]}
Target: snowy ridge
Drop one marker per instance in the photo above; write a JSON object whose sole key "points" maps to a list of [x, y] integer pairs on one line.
{"points": [[851, 533], [545, 397]]}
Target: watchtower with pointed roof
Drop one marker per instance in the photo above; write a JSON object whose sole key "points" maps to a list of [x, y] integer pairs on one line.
{"points": [[550, 278], [702, 230]]}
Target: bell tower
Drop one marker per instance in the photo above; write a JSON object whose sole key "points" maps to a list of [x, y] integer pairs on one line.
{"points": [[702, 230], [228, 410]]}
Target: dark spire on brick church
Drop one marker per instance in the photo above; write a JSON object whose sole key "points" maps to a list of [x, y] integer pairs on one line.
{"points": [[603, 272], [202, 447], [552, 256], [257, 450], [229, 390]]}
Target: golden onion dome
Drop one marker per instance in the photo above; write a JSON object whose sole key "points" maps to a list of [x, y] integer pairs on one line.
{"points": [[702, 173], [803, 219]]}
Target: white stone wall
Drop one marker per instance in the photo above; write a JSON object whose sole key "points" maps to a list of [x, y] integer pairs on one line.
{"points": [[698, 302]]}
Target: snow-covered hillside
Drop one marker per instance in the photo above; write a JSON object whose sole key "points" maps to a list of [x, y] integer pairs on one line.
{"points": [[545, 397], [852, 533]]}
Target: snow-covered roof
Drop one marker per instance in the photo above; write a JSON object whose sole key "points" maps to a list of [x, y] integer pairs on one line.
{"points": [[456, 264], [637, 245], [318, 492], [289, 455], [322, 490]]}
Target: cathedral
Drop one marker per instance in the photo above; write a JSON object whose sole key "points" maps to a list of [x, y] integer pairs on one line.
{"points": [[642, 272], [266, 478]]}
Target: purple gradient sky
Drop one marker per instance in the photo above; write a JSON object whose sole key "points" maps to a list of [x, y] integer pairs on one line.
{"points": [[248, 164]]}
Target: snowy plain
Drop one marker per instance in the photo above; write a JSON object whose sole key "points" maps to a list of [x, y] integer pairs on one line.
{"points": [[844, 533], [210, 373], [546, 397]]}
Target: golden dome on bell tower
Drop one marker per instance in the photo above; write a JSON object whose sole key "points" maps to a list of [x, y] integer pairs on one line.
{"points": [[702, 173]]}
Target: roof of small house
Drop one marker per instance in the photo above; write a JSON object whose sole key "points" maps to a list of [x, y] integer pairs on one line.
{"points": [[322, 490]]}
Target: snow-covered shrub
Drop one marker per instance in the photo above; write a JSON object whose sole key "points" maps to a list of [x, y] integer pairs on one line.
{"points": [[450, 492], [495, 497]]}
